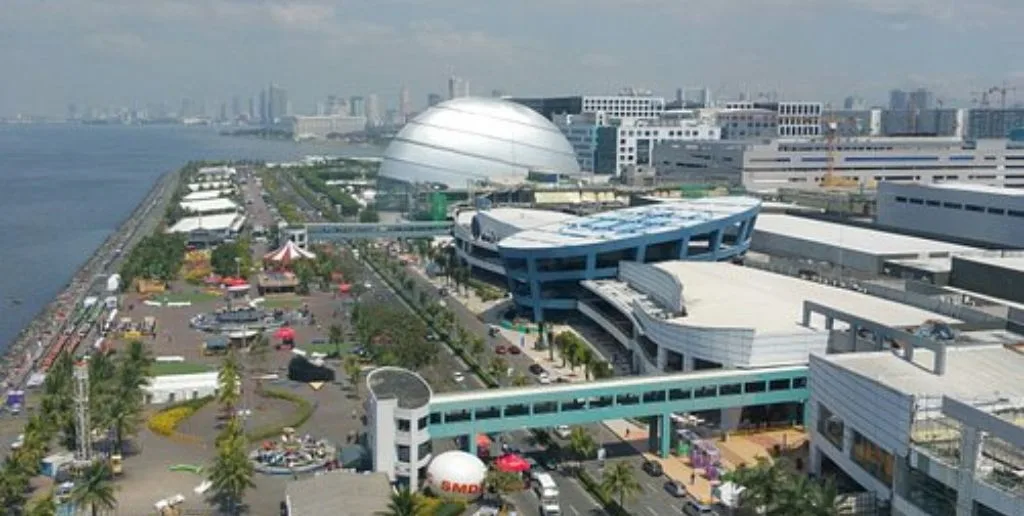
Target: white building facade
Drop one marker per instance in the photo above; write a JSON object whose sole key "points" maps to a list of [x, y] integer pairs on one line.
{"points": [[626, 105], [398, 411], [752, 120], [979, 213], [634, 140], [796, 163], [319, 127], [180, 387]]}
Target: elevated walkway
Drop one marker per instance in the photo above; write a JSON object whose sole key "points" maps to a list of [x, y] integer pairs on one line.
{"points": [[492, 411], [335, 232]]}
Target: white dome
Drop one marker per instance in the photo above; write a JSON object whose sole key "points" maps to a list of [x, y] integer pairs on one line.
{"points": [[457, 474], [479, 139]]}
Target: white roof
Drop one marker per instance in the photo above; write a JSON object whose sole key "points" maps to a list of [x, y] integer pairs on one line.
{"points": [[972, 371], [1014, 263], [177, 380], [973, 187], [221, 170], [630, 222], [205, 194], [209, 185], [854, 238], [527, 218], [209, 205], [723, 295], [219, 222]]}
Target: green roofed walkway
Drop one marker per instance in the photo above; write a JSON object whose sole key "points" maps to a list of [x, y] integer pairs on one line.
{"points": [[336, 232], [472, 413]]}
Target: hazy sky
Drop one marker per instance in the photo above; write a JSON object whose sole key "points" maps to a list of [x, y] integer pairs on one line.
{"points": [[103, 52]]}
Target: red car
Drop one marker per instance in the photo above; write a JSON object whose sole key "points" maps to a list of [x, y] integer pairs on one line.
{"points": [[501, 350], [514, 350]]}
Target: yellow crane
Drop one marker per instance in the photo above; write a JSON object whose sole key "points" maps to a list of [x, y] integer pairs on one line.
{"points": [[831, 179]]}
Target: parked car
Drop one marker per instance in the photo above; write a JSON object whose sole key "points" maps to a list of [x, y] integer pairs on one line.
{"points": [[563, 431], [653, 468], [695, 508], [544, 379], [536, 369], [458, 376], [501, 350], [676, 489], [514, 350]]}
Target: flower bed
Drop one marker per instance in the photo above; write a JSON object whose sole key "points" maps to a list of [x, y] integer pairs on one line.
{"points": [[166, 421]]}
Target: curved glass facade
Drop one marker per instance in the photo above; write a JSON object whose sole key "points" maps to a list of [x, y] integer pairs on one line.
{"points": [[544, 266]]}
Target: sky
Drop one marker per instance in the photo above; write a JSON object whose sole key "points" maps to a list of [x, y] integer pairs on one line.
{"points": [[116, 52]]}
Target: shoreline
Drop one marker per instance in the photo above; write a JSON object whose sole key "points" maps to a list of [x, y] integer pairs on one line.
{"points": [[18, 359]]}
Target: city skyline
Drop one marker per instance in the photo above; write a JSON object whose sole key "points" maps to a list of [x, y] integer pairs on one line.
{"points": [[117, 52]]}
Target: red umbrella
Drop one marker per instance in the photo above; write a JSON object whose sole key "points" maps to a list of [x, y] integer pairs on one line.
{"points": [[512, 463], [285, 333], [344, 288]]}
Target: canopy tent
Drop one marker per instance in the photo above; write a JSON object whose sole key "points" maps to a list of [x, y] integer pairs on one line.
{"points": [[345, 288], [512, 463], [233, 282], [285, 333], [288, 252]]}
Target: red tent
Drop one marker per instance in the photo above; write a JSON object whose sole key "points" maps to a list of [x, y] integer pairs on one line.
{"points": [[233, 282], [512, 463], [285, 333], [344, 288]]}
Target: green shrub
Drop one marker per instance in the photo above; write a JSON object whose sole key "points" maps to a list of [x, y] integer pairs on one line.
{"points": [[304, 413]]}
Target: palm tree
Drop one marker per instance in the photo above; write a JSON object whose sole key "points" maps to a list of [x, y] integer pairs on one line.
{"points": [[582, 443], [353, 370], [335, 334], [229, 388], [765, 484], [498, 367], [620, 481], [405, 503], [477, 346], [824, 499], [123, 413], [44, 507], [94, 489], [520, 380], [601, 369], [232, 471], [13, 483]]}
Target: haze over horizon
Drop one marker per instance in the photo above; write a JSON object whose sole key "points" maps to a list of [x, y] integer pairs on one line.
{"points": [[116, 52]]}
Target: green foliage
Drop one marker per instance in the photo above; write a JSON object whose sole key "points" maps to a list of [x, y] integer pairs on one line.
{"points": [[774, 488], [406, 503], [394, 338], [304, 412], [94, 489], [158, 256], [369, 215], [349, 206], [619, 480], [232, 471], [233, 258], [602, 495]]}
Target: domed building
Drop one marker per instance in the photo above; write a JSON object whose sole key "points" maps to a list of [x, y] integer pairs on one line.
{"points": [[470, 141]]}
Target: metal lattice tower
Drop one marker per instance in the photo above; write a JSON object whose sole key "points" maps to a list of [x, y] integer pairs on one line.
{"points": [[83, 434]]}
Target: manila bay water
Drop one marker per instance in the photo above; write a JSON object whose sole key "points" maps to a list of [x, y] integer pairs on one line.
{"points": [[65, 188]]}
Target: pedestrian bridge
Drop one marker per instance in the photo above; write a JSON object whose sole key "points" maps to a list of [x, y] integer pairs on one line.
{"points": [[502, 410], [335, 232]]}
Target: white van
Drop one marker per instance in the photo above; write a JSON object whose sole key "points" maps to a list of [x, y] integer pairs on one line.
{"points": [[695, 508], [547, 491]]}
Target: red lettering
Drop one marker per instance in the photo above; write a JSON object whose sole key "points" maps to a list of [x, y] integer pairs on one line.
{"points": [[455, 487]]}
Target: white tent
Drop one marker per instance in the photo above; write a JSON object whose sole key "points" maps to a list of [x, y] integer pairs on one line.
{"points": [[288, 252]]}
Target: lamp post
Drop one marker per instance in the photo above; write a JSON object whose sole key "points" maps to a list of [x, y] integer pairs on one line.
{"points": [[238, 267]]}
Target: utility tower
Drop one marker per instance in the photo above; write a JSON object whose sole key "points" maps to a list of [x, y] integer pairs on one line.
{"points": [[83, 433]]}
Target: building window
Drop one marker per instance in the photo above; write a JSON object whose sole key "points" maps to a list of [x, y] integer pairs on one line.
{"points": [[971, 207], [421, 424], [871, 458], [424, 449], [403, 425], [830, 426], [403, 453]]}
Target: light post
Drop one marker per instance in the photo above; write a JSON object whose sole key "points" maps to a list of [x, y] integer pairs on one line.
{"points": [[238, 267]]}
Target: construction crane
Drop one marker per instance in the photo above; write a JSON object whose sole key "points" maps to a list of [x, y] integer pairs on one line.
{"points": [[982, 98], [830, 179]]}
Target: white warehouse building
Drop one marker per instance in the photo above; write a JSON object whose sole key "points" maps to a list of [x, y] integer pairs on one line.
{"points": [[180, 387], [988, 215]]}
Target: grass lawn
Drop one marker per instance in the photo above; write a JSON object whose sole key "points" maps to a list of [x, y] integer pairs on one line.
{"points": [[326, 348], [194, 297], [282, 302], [169, 368]]}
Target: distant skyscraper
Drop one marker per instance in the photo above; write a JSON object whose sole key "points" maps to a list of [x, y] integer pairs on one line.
{"points": [[457, 87], [72, 112], [679, 96], [357, 106], [253, 102], [404, 103], [264, 109], [433, 99], [372, 110], [223, 112], [236, 107], [898, 100], [277, 103], [921, 99], [853, 102], [321, 109], [187, 110]]}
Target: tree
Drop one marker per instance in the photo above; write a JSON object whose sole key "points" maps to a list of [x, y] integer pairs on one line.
{"points": [[14, 483], [502, 483], [259, 352], [229, 388], [620, 481], [232, 471], [601, 369], [582, 443], [232, 259], [335, 334], [477, 346], [46, 506], [94, 489], [773, 488], [369, 215], [405, 503], [498, 367], [353, 370], [520, 380]]}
